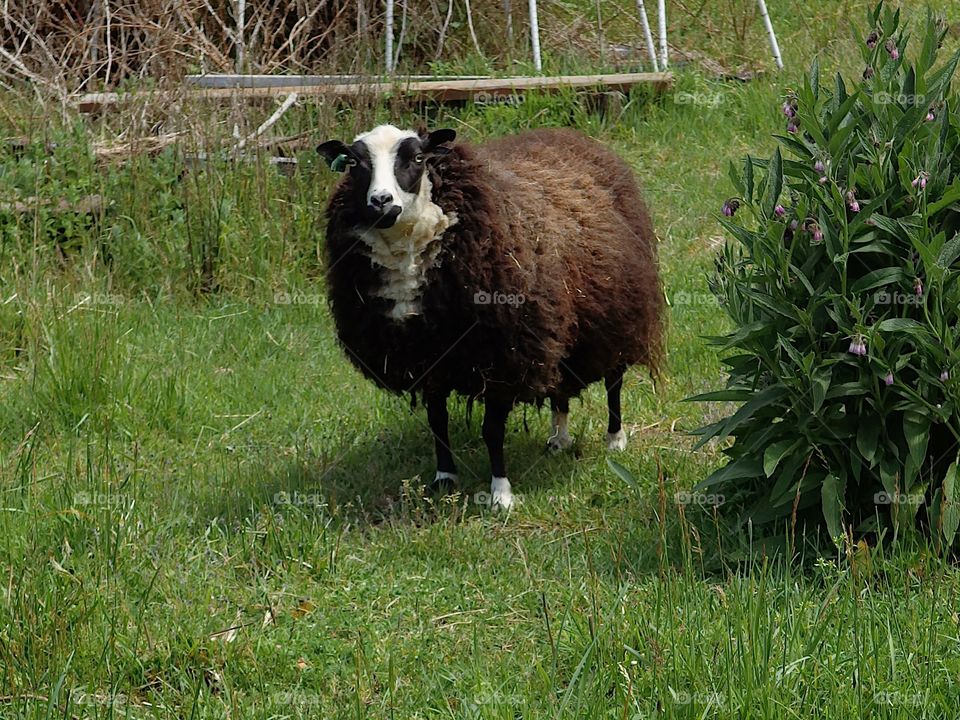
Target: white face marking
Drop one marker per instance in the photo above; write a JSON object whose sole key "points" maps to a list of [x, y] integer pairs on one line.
{"points": [[382, 143], [409, 248]]}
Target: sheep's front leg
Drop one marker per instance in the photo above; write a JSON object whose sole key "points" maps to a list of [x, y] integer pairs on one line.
{"points": [[439, 421], [494, 430]]}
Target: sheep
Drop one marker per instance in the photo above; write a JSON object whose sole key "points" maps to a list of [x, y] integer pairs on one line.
{"points": [[518, 270]]}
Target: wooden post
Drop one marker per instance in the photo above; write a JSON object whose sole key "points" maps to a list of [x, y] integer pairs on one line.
{"points": [[647, 35], [773, 38], [241, 23], [389, 48], [535, 36], [662, 21]]}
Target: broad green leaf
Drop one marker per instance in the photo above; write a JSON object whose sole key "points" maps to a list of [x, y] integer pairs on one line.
{"points": [[832, 505], [774, 454], [774, 183], [950, 509], [623, 474]]}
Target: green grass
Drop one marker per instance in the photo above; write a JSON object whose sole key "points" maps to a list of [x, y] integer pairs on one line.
{"points": [[206, 513]]}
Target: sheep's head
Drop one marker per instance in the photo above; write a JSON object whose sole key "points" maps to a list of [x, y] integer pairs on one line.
{"points": [[387, 164]]}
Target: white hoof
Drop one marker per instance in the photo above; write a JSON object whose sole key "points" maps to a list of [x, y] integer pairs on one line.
{"points": [[559, 441], [560, 438], [617, 440], [444, 477], [501, 497]]}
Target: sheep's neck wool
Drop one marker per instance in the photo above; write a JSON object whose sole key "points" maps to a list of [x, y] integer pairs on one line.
{"points": [[406, 251]]}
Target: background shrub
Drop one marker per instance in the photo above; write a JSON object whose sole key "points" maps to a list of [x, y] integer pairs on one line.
{"points": [[842, 283]]}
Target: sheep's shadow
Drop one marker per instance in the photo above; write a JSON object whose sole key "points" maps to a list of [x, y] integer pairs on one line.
{"points": [[366, 480]]}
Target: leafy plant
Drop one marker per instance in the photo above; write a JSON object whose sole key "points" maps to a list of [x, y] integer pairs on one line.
{"points": [[843, 283]]}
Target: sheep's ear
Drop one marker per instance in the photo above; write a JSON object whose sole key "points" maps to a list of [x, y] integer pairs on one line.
{"points": [[435, 139], [336, 154]]}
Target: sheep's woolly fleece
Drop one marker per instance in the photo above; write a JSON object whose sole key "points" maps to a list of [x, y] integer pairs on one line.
{"points": [[550, 217]]}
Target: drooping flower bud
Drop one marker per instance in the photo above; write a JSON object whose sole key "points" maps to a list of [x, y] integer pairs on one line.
{"points": [[872, 39], [888, 380], [891, 48], [730, 207]]}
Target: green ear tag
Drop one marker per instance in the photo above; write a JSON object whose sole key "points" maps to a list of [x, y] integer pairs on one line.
{"points": [[339, 163]]}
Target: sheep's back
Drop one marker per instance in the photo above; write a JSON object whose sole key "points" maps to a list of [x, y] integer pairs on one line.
{"points": [[585, 246]]}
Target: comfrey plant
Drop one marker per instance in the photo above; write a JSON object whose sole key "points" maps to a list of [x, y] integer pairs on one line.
{"points": [[842, 283]]}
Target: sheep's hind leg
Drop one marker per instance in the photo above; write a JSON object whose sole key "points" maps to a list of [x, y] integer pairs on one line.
{"points": [[616, 437], [439, 419], [559, 437], [494, 429]]}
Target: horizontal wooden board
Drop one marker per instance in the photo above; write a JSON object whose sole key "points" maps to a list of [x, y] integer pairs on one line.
{"points": [[485, 89]]}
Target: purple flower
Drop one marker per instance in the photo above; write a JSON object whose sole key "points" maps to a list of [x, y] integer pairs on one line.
{"points": [[823, 180], [792, 126], [789, 110], [872, 39], [730, 207], [867, 73], [779, 211], [931, 116], [921, 180], [857, 346], [917, 287], [852, 201], [794, 225], [819, 166], [944, 376], [888, 380], [891, 48], [817, 234]]}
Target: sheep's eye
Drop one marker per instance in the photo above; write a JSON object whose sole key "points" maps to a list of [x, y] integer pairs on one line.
{"points": [[351, 162], [418, 158]]}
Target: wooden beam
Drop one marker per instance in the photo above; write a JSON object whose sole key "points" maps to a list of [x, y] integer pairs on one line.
{"points": [[439, 90], [230, 80]]}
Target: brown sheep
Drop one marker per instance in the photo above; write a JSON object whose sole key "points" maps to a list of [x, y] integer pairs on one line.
{"points": [[516, 270]]}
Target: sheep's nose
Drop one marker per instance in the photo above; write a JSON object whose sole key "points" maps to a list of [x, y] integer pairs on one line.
{"points": [[381, 199]]}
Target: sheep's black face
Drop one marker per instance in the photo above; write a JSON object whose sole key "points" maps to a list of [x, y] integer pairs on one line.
{"points": [[387, 165]]}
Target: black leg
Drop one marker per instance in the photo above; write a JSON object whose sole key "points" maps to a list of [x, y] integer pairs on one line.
{"points": [[494, 430], [438, 418], [614, 383]]}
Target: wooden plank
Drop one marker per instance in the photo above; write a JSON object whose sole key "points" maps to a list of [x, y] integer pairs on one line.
{"points": [[89, 205], [213, 80], [441, 90]]}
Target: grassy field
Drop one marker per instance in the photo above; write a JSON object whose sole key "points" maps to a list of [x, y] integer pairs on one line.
{"points": [[206, 513]]}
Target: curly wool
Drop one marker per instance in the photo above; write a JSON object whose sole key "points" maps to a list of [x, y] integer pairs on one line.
{"points": [[549, 218]]}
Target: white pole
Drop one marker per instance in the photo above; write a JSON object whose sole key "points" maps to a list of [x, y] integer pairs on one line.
{"points": [[241, 23], [773, 38], [647, 35], [389, 48], [662, 21], [535, 36]]}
